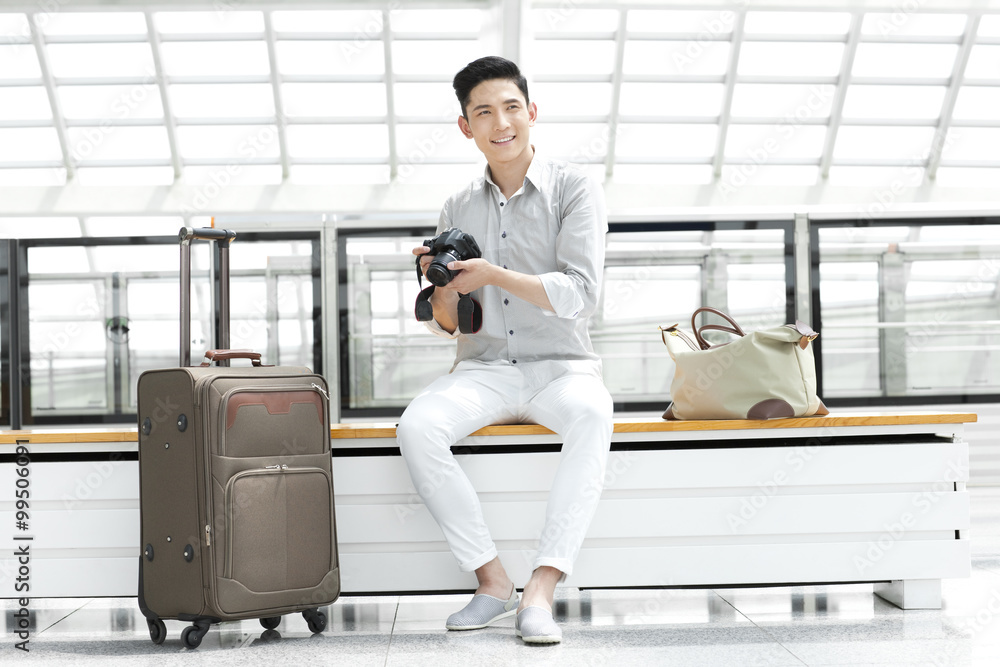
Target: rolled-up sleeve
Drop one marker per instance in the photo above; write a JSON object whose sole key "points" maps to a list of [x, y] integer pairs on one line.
{"points": [[573, 290]]}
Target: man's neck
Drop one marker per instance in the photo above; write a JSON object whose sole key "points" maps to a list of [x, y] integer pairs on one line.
{"points": [[509, 176]]}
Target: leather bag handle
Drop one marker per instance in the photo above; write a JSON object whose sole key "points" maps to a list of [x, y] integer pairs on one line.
{"points": [[222, 355], [734, 329]]}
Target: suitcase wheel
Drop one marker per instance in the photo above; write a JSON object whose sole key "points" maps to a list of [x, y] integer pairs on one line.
{"points": [[315, 619], [193, 634], [157, 630], [271, 622]]}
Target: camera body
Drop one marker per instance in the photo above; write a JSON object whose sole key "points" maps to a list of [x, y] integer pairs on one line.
{"points": [[451, 245]]}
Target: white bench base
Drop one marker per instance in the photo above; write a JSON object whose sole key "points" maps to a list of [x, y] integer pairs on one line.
{"points": [[711, 507]]}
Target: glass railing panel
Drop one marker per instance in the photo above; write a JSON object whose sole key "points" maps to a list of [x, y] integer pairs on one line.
{"points": [[909, 310]]}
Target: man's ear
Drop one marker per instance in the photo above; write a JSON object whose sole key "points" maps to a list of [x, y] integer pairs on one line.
{"points": [[463, 125], [532, 114]]}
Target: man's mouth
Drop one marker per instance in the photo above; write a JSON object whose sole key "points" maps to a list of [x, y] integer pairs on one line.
{"points": [[505, 140]]}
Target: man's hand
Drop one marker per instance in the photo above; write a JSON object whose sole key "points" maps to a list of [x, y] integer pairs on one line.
{"points": [[471, 275], [425, 259]]}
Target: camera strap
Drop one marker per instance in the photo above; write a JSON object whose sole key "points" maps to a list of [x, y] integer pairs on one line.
{"points": [[470, 312]]}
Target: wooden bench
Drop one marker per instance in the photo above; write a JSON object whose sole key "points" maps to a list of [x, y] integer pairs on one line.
{"points": [[844, 498]]}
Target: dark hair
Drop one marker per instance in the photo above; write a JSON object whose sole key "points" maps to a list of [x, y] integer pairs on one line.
{"points": [[484, 69]]}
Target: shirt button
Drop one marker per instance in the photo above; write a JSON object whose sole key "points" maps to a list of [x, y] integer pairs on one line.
{"points": [[513, 361], [504, 235], [505, 266], [511, 332], [501, 203], [506, 301]]}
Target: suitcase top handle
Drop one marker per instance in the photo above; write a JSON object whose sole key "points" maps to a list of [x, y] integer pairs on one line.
{"points": [[189, 234], [222, 355]]}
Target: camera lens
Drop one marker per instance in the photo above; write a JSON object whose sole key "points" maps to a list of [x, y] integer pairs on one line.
{"points": [[438, 272]]}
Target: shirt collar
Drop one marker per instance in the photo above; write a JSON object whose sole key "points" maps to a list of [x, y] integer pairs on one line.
{"points": [[533, 175]]}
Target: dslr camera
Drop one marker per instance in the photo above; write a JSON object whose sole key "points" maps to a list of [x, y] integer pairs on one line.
{"points": [[451, 245]]}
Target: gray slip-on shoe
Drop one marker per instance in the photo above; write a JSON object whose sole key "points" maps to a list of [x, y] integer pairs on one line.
{"points": [[483, 610], [535, 626]]}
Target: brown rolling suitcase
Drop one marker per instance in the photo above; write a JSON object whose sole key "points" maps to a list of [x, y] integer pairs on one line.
{"points": [[236, 485]]}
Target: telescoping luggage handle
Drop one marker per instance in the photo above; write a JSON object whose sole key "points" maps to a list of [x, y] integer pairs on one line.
{"points": [[223, 237]]}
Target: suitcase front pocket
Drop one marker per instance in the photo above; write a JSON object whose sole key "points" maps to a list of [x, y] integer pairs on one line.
{"points": [[271, 421], [280, 529]]}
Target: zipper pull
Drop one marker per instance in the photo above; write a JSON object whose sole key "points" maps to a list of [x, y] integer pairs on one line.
{"points": [[320, 390], [281, 466], [208, 535]]}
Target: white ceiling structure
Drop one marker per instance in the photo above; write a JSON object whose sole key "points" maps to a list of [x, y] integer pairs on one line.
{"points": [[238, 106]]}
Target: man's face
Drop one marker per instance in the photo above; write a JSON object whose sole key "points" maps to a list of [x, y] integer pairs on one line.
{"points": [[498, 120]]}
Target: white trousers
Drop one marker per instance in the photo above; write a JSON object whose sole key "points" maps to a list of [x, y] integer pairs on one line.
{"points": [[576, 406]]}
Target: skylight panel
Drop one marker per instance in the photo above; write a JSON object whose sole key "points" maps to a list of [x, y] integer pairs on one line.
{"points": [[797, 23], [19, 178], [100, 60], [215, 58], [558, 57], [574, 142], [790, 59], [571, 18], [658, 174], [976, 144], [15, 25], [124, 176], [984, 62], [24, 103], [989, 25], [92, 23], [977, 103], [763, 143], [571, 99], [340, 58], [334, 99], [29, 144], [431, 57], [38, 227], [769, 174], [251, 100], [19, 61], [791, 101], [355, 174], [238, 143], [656, 141], [435, 100], [436, 20], [117, 143], [235, 173], [673, 58], [913, 24], [883, 143], [338, 141], [967, 177], [711, 22], [366, 22], [223, 19], [419, 143], [671, 99], [454, 175], [905, 60], [894, 102], [111, 102], [144, 226]]}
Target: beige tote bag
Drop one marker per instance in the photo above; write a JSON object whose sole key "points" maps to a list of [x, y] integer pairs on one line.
{"points": [[761, 375]]}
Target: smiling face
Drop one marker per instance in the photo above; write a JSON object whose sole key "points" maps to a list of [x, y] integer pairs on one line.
{"points": [[498, 119]]}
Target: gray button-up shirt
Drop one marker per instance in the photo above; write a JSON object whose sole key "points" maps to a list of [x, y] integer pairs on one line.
{"points": [[553, 227]]}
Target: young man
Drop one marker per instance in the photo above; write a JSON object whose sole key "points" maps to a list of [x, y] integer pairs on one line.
{"points": [[541, 227]]}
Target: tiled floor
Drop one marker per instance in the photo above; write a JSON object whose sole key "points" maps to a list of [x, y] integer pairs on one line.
{"points": [[815, 625]]}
